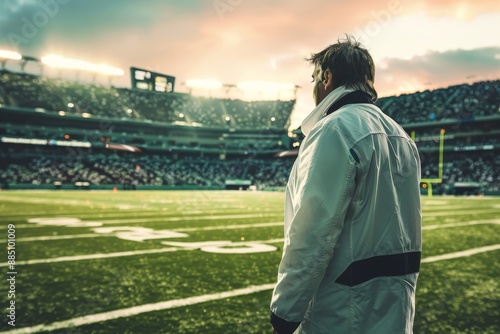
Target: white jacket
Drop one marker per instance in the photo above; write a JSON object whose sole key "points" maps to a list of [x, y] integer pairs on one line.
{"points": [[352, 230]]}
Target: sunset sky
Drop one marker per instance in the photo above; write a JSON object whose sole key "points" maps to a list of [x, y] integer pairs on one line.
{"points": [[416, 45]]}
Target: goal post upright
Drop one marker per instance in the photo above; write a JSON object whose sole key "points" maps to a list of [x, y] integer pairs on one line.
{"points": [[439, 179]]}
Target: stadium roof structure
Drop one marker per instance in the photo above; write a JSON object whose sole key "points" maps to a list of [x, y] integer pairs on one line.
{"points": [[29, 58]]}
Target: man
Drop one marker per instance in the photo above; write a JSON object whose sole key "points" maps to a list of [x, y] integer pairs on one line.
{"points": [[352, 246]]}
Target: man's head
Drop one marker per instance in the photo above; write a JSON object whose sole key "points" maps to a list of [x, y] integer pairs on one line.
{"points": [[345, 63]]}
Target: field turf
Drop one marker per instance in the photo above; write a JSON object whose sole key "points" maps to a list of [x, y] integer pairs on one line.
{"points": [[187, 262]]}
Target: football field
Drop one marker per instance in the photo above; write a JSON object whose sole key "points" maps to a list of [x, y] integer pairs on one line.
{"points": [[206, 262]]}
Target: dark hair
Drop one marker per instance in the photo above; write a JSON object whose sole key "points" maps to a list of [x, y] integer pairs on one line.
{"points": [[350, 63]]}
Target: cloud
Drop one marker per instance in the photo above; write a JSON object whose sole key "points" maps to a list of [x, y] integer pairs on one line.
{"points": [[37, 23], [437, 69], [463, 10]]}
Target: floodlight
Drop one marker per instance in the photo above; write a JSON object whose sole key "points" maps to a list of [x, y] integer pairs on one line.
{"points": [[204, 83], [5, 54], [61, 62], [262, 86]]}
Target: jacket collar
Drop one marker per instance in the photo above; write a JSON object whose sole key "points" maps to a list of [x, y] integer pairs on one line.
{"points": [[322, 108]]}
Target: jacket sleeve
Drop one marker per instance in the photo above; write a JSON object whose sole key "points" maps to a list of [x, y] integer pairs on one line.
{"points": [[322, 191]]}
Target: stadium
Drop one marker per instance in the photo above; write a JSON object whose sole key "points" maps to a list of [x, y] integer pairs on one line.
{"points": [[59, 134], [143, 208]]}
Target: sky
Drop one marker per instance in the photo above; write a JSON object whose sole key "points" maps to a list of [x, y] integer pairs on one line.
{"points": [[416, 44]]}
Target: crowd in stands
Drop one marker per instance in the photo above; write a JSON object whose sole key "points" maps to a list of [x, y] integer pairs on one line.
{"points": [[462, 101], [152, 170], [30, 91], [458, 143], [206, 171], [465, 102], [481, 168]]}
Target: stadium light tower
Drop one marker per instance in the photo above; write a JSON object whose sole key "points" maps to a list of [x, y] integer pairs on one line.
{"points": [[75, 64]]}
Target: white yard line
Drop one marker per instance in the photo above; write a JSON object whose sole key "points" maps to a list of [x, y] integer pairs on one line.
{"points": [[166, 219], [62, 237], [121, 254], [460, 213], [94, 256], [431, 208], [467, 223], [138, 214], [241, 216], [460, 254], [188, 229], [242, 226], [226, 227], [132, 311], [187, 218]]}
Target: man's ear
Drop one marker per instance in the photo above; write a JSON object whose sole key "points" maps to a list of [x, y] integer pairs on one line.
{"points": [[327, 79]]}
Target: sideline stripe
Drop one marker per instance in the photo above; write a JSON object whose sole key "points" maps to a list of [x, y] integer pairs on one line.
{"points": [[464, 253], [131, 311]]}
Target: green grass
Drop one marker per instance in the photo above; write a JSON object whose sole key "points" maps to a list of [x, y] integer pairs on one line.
{"points": [[453, 296]]}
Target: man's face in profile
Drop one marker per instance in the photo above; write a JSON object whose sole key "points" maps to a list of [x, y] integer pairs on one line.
{"points": [[319, 89]]}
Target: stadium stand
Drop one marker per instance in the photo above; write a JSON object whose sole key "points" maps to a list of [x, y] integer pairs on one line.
{"points": [[462, 101], [55, 131], [130, 169], [30, 91]]}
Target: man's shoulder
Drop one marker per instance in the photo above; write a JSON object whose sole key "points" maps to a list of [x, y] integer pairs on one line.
{"points": [[358, 121]]}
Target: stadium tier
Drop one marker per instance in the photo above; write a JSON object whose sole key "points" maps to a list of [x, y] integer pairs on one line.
{"points": [[118, 169], [38, 92], [56, 132], [463, 101]]}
